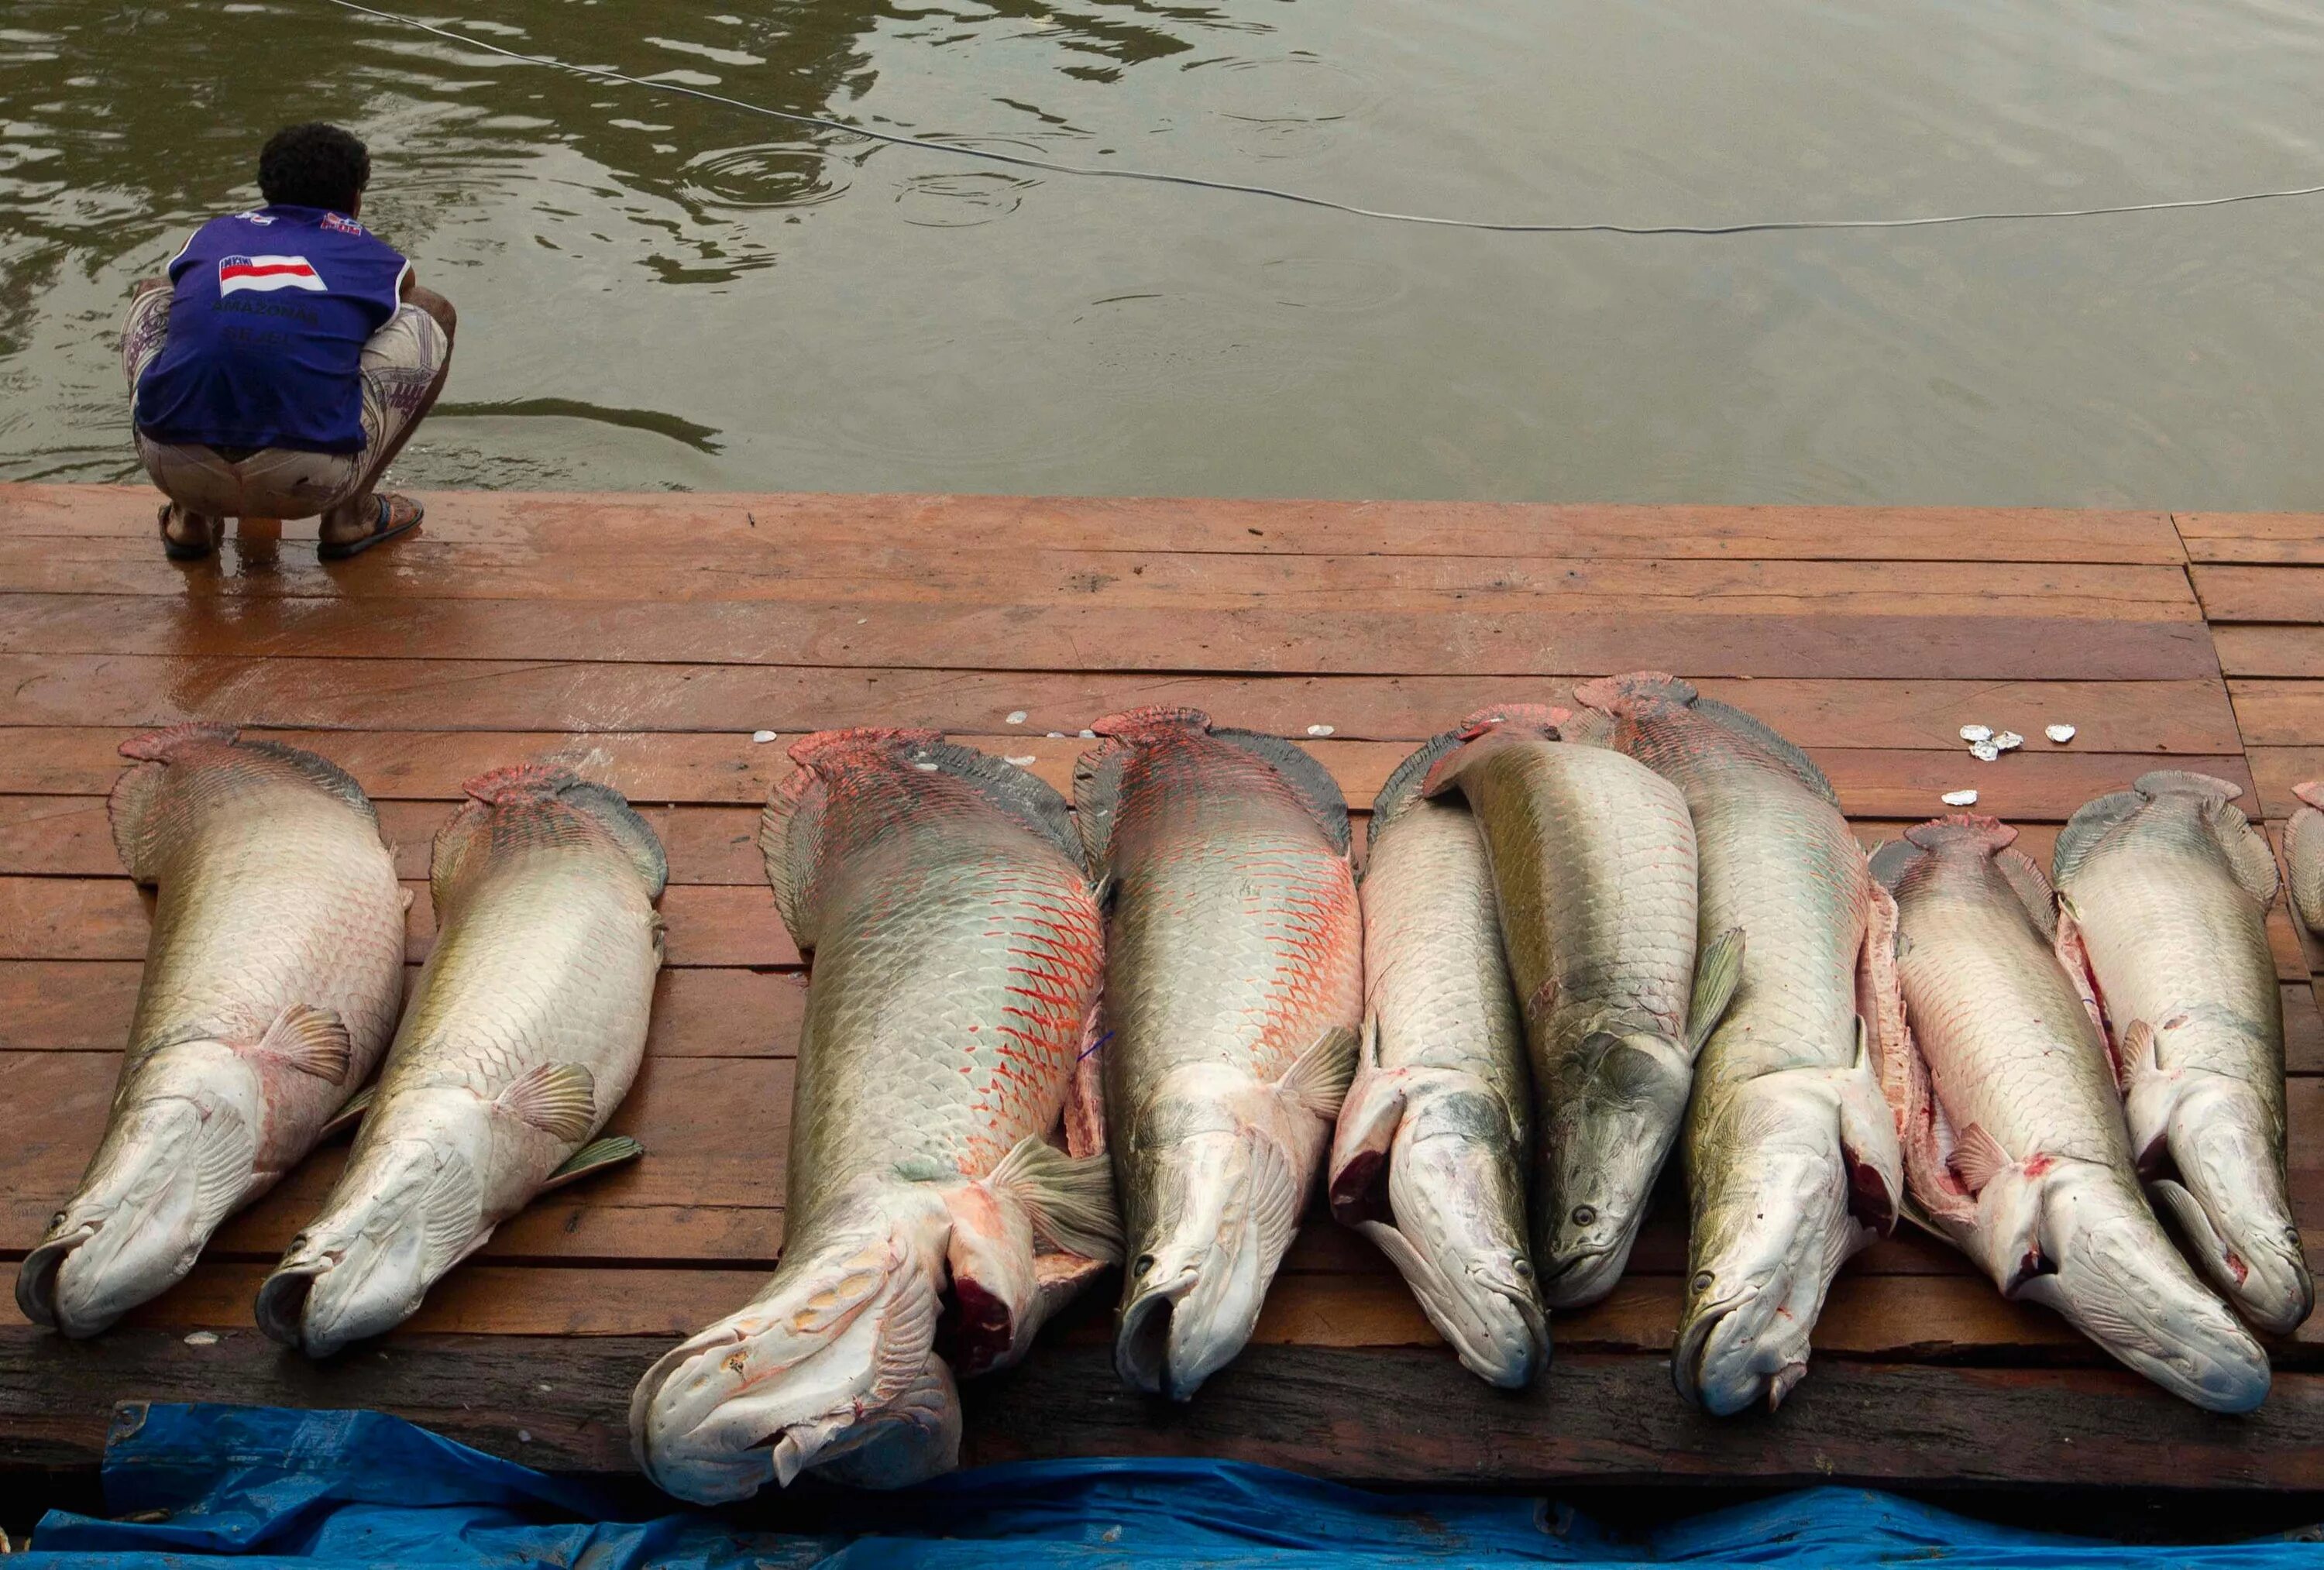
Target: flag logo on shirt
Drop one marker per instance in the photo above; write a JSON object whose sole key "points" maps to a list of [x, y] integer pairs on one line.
{"points": [[268, 273]]}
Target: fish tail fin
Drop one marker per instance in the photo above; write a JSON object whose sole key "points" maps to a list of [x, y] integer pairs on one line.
{"points": [[790, 829], [403, 1214], [1973, 829], [2156, 783], [168, 1171], [1097, 772], [835, 1358], [138, 801], [1151, 721], [1487, 730]]}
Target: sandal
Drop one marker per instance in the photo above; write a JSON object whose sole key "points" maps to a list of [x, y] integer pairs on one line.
{"points": [[179, 550], [385, 527]]}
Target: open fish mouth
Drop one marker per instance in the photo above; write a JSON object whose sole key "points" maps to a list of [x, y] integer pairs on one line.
{"points": [[1725, 1359]]}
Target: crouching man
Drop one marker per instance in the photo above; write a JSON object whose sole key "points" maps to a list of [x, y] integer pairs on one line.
{"points": [[285, 360]]}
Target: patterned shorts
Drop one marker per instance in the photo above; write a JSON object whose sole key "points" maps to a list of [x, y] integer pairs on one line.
{"points": [[399, 362]]}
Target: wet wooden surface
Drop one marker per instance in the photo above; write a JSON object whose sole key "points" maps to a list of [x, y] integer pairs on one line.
{"points": [[644, 640]]}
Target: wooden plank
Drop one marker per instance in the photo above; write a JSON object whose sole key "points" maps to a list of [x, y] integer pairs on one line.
{"points": [[2270, 651], [2279, 714], [662, 523], [2287, 594], [612, 566], [1403, 1415], [91, 918], [1924, 1318], [1443, 639], [2288, 537], [82, 692]]}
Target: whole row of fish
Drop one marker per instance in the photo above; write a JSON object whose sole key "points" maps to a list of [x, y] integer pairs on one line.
{"points": [[1041, 1042]]}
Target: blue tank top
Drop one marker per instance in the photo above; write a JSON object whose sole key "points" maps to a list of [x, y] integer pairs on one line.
{"points": [[268, 318]]}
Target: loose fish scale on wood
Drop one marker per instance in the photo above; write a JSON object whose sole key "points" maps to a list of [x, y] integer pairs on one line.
{"points": [[272, 978]]}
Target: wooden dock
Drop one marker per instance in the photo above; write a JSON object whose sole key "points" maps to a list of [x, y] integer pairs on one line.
{"points": [[643, 638]]}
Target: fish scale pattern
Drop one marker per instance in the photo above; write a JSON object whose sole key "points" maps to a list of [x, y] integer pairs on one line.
{"points": [[1597, 859], [1236, 934], [957, 954], [272, 891], [2009, 1044], [1433, 979]]}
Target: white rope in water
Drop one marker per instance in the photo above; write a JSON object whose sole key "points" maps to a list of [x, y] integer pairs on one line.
{"points": [[1303, 200]]}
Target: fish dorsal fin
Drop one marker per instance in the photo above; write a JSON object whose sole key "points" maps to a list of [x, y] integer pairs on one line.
{"points": [[318, 771], [595, 1156], [1068, 1198], [1635, 692], [790, 844], [1097, 772], [1405, 782], [352, 1112], [1978, 1158], [1892, 860], [132, 809], [1309, 781], [1780, 746], [2090, 823], [2033, 890], [313, 1041], [2248, 853], [1718, 972], [526, 783], [560, 1100], [2303, 849], [1022, 796], [1319, 1078]]}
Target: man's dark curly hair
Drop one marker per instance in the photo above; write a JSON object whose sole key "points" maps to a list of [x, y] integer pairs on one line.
{"points": [[313, 165]]}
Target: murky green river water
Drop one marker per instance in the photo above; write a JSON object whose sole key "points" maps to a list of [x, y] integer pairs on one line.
{"points": [[657, 292]]}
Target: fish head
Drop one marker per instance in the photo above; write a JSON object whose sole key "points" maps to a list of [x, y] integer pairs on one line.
{"points": [[1217, 1167], [1611, 1120], [1771, 1226], [834, 1359], [2095, 1253], [171, 1168], [2215, 1168], [402, 1214], [1455, 1225]]}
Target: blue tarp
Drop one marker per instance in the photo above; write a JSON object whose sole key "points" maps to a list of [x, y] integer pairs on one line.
{"points": [[277, 1488]]}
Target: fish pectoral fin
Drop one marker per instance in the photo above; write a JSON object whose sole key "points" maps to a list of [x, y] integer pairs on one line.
{"points": [[310, 1039], [595, 1157], [351, 1113], [2248, 853], [1068, 1198], [1980, 1158], [560, 1100], [1319, 1078], [1718, 972]]}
